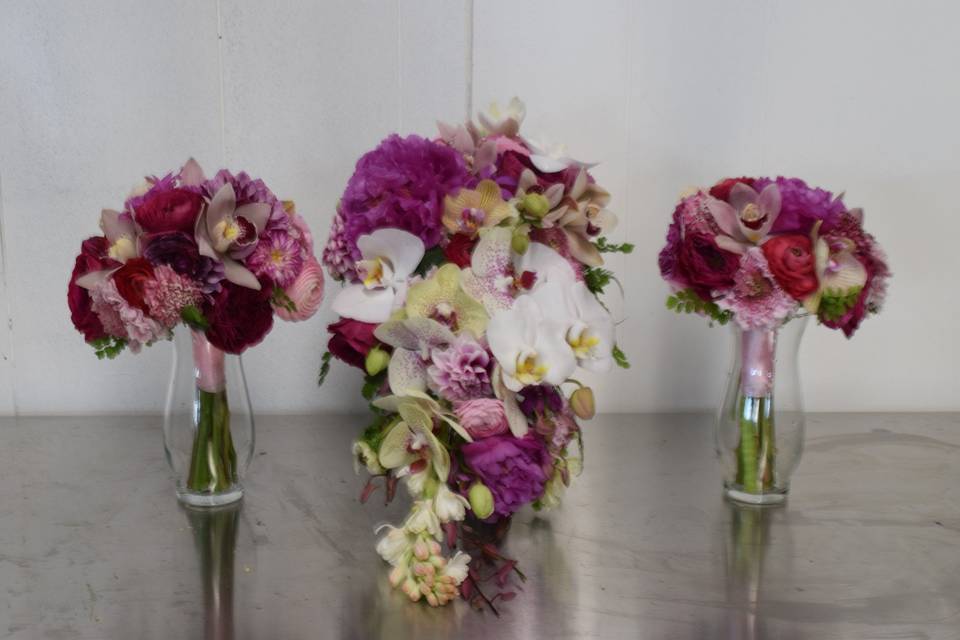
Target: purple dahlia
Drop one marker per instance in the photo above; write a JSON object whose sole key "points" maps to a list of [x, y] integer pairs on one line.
{"points": [[802, 205]]}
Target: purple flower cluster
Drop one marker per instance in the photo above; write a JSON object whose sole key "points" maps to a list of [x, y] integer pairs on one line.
{"points": [[802, 205], [514, 469]]}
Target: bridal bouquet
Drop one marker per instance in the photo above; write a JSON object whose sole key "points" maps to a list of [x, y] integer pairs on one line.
{"points": [[221, 255], [472, 265], [762, 252]]}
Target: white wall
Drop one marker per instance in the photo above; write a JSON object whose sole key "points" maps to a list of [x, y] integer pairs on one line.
{"points": [[859, 95]]}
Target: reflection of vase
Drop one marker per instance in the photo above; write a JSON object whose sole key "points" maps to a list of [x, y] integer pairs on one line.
{"points": [[209, 441], [745, 550], [215, 537], [761, 423]]}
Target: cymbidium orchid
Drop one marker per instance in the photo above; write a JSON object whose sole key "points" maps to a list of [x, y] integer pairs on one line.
{"points": [[390, 257], [839, 272], [425, 403], [583, 216], [471, 209], [551, 158], [121, 233], [441, 298], [747, 218], [497, 274], [228, 233], [412, 439], [480, 153], [506, 121], [587, 327], [530, 345]]}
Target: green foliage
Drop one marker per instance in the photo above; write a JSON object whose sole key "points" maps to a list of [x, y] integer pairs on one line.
{"points": [[687, 301], [193, 318], [376, 430], [324, 368], [597, 278], [835, 304], [620, 358], [432, 258], [604, 247], [108, 347], [281, 300], [372, 384]]}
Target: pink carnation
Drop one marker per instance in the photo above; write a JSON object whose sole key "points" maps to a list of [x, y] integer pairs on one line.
{"points": [[168, 293], [756, 299], [482, 417], [461, 371], [122, 320]]}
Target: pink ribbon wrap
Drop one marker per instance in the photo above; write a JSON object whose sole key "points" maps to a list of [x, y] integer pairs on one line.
{"points": [[757, 350], [208, 363]]}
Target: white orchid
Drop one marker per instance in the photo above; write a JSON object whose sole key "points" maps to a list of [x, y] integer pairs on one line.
{"points": [[587, 327], [412, 439], [551, 158], [504, 122], [390, 256], [529, 345]]}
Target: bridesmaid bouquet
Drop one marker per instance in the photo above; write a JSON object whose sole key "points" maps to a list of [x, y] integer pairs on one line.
{"points": [[472, 266], [220, 255]]}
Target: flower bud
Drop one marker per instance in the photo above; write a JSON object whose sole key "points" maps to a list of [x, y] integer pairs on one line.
{"points": [[481, 500], [377, 361], [582, 403], [519, 243], [535, 205]]}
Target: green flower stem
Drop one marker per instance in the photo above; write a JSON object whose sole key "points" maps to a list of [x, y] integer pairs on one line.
{"points": [[756, 452], [213, 461]]}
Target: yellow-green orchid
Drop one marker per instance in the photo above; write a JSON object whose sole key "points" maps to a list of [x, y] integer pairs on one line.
{"points": [[838, 270], [471, 209], [412, 439], [441, 298], [427, 404]]}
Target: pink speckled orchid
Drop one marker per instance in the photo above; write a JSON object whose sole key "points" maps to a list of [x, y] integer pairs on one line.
{"points": [[228, 233], [390, 257], [412, 340], [747, 218]]}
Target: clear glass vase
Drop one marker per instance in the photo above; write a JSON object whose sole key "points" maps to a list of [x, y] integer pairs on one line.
{"points": [[208, 423], [760, 425]]}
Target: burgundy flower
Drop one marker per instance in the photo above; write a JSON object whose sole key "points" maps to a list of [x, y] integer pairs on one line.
{"points": [[721, 190], [705, 265], [790, 258], [239, 317], [459, 249], [173, 210], [93, 257], [512, 163], [131, 279], [351, 340], [179, 251], [514, 469]]}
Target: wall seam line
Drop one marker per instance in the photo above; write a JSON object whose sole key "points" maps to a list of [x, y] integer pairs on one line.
{"points": [[223, 110], [469, 61], [8, 307]]}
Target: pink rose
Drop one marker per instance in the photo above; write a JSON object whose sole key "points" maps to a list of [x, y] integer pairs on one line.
{"points": [[482, 417], [306, 292]]}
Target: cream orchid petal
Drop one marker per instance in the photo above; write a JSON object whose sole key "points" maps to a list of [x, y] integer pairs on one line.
{"points": [[191, 175], [406, 372], [741, 195], [366, 305], [726, 217], [223, 204], [115, 225], [547, 164], [394, 452], [579, 185], [582, 249], [94, 278], [606, 220], [256, 212], [528, 179], [239, 274], [554, 195], [403, 249], [729, 244], [769, 201], [202, 237], [485, 156]]}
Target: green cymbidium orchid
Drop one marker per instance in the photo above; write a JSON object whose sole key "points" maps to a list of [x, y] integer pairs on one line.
{"points": [[441, 298]]}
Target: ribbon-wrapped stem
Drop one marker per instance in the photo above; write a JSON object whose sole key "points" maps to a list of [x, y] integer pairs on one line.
{"points": [[213, 460], [756, 453]]}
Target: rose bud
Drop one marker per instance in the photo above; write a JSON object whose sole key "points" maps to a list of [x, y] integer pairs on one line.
{"points": [[582, 403], [377, 360], [481, 500]]}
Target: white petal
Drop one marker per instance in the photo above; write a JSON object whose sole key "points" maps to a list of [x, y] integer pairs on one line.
{"points": [[726, 217], [729, 244], [239, 274], [403, 249], [556, 354], [365, 305], [406, 371], [413, 333], [545, 262], [547, 164], [515, 418]]}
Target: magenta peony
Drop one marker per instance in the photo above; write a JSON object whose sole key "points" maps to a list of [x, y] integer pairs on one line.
{"points": [[482, 417], [514, 469], [306, 293], [400, 184]]}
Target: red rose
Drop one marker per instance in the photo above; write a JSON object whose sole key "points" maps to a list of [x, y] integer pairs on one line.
{"points": [[130, 280], [791, 261], [173, 210], [721, 190], [706, 266], [459, 249], [239, 317], [351, 341], [93, 257]]}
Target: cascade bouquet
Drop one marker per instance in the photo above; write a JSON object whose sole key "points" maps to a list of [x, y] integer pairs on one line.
{"points": [[762, 252], [472, 268], [221, 255]]}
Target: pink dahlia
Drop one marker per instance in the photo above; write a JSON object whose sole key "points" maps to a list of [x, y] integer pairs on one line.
{"points": [[756, 299], [461, 371], [401, 184], [278, 256], [168, 293]]}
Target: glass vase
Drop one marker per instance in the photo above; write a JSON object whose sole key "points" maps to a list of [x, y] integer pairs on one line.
{"points": [[208, 422], [760, 425]]}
